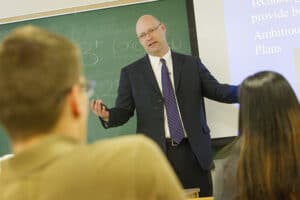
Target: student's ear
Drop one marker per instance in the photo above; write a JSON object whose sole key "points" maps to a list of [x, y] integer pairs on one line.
{"points": [[74, 101]]}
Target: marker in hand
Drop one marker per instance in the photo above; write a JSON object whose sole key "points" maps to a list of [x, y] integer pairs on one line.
{"points": [[100, 109]]}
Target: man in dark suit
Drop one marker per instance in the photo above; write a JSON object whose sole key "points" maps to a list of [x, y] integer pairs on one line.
{"points": [[141, 88]]}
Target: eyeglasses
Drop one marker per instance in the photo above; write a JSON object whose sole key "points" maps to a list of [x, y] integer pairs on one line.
{"points": [[150, 31], [89, 87]]}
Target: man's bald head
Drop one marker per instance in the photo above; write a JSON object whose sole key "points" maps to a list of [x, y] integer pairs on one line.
{"points": [[152, 35], [146, 19]]}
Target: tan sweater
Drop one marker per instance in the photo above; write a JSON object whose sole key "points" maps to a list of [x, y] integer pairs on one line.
{"points": [[126, 168]]}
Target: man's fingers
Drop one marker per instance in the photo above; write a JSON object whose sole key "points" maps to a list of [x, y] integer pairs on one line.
{"points": [[97, 107]]}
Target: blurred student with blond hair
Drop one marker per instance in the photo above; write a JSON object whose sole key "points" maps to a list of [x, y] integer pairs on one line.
{"points": [[44, 108]]}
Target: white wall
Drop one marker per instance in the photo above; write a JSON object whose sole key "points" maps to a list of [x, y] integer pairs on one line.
{"points": [[239, 38], [16, 10], [222, 118]]}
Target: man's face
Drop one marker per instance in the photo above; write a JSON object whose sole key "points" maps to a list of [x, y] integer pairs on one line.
{"points": [[152, 36]]}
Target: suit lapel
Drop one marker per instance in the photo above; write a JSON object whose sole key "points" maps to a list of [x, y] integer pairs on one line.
{"points": [[177, 67], [149, 74]]}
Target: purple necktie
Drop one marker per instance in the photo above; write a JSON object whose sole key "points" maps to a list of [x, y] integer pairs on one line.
{"points": [[175, 125]]}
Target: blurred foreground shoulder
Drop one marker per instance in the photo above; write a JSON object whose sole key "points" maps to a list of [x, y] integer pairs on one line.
{"points": [[150, 171]]}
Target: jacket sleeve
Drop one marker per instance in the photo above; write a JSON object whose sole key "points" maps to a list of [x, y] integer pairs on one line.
{"points": [[214, 90], [124, 105]]}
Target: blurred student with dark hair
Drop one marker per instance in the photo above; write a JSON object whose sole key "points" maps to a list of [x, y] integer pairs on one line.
{"points": [[44, 107], [265, 160]]}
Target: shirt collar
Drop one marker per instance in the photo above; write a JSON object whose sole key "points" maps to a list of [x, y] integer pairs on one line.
{"points": [[155, 61]]}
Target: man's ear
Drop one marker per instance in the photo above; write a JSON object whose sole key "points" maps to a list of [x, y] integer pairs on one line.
{"points": [[163, 26], [74, 101]]}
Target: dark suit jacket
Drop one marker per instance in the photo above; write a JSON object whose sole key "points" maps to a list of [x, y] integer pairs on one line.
{"points": [[138, 90]]}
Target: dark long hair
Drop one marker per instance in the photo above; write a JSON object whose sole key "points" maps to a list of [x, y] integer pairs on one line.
{"points": [[269, 124]]}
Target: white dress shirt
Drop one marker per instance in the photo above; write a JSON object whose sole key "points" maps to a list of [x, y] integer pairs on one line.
{"points": [[156, 67]]}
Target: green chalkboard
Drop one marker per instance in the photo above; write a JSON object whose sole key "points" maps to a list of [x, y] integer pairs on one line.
{"points": [[108, 42]]}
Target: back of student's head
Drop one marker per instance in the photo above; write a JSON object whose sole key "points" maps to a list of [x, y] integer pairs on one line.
{"points": [[36, 69], [269, 124]]}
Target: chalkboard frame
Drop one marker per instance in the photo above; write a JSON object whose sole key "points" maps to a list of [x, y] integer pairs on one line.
{"points": [[111, 23]]}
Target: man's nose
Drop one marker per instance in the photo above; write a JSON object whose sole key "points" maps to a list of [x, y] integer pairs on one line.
{"points": [[148, 36]]}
